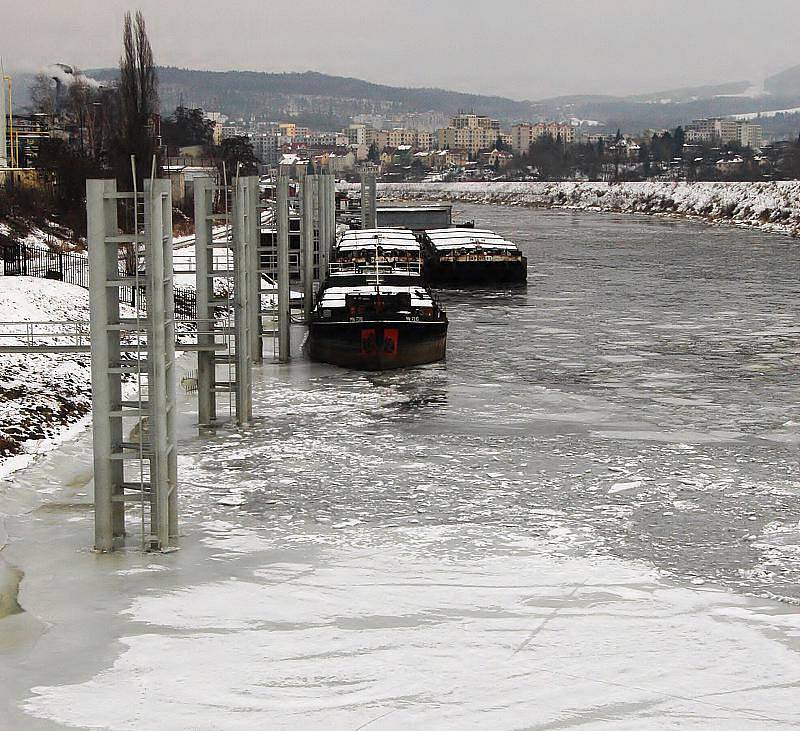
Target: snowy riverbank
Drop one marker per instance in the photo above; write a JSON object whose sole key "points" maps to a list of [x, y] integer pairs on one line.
{"points": [[773, 207], [43, 398]]}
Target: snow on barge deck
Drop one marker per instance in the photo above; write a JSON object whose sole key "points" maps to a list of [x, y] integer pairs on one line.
{"points": [[471, 256]]}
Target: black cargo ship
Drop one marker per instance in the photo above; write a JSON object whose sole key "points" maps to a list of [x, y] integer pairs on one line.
{"points": [[373, 311], [471, 256]]}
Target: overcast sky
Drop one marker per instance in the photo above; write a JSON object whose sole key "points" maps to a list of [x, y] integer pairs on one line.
{"points": [[525, 49]]}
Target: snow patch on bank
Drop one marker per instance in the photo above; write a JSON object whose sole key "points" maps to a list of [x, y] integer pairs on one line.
{"points": [[772, 207], [44, 398]]}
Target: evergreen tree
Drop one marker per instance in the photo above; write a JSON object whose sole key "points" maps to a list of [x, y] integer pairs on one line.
{"points": [[186, 127], [374, 154], [238, 155], [644, 158]]}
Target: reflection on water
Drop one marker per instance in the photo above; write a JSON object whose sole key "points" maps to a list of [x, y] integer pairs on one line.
{"points": [[638, 398]]}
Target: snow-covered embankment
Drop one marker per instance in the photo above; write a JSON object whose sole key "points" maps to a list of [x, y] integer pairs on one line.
{"points": [[43, 397], [773, 207]]}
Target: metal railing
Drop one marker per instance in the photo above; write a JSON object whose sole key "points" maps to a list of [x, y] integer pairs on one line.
{"points": [[75, 335], [73, 268], [29, 261], [58, 334], [382, 269]]}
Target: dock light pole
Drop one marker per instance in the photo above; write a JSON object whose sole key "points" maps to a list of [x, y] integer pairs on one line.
{"points": [[282, 222]]}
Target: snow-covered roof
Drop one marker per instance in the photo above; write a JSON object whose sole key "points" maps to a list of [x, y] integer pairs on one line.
{"points": [[336, 296], [446, 239], [386, 238], [415, 209]]}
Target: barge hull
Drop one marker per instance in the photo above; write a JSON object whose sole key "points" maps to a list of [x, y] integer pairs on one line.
{"points": [[377, 345], [476, 272]]}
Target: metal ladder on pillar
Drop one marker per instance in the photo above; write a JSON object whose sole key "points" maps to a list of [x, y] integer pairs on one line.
{"points": [[134, 450], [269, 313], [222, 267], [268, 285]]}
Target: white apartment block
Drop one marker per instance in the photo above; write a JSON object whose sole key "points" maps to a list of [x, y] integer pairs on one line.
{"points": [[403, 137], [717, 130], [522, 135], [357, 134], [328, 139], [474, 121], [750, 135], [471, 132]]}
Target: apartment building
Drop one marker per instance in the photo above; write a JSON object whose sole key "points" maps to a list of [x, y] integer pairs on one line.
{"points": [[403, 137], [291, 130], [360, 134], [265, 147], [471, 132], [750, 135], [717, 130], [522, 135], [328, 139]]}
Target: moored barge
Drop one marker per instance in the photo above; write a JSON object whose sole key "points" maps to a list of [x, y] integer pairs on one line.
{"points": [[471, 256], [374, 311]]}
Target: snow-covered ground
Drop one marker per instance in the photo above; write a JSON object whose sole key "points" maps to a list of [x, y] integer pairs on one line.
{"points": [[773, 207], [750, 116], [42, 397], [52, 237]]}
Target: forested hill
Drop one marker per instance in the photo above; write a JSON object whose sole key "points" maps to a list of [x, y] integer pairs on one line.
{"points": [[327, 102], [334, 99]]}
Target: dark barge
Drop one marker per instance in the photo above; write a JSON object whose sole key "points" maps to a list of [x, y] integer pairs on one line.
{"points": [[374, 311], [458, 256]]}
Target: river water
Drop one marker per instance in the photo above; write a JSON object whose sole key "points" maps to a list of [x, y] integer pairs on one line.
{"points": [[582, 518], [638, 398]]}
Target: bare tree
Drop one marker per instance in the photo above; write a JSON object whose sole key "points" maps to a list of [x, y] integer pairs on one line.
{"points": [[43, 94]]}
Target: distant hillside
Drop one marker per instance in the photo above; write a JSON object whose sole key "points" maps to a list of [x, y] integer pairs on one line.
{"points": [[326, 102], [631, 115], [333, 99], [786, 83], [691, 93]]}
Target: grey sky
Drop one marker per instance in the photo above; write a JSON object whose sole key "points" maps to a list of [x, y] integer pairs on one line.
{"points": [[525, 50]]}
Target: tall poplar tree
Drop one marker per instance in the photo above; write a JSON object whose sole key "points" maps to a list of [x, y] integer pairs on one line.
{"points": [[138, 102]]}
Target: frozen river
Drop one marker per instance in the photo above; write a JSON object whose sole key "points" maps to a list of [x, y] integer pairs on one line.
{"points": [[583, 518], [641, 393]]}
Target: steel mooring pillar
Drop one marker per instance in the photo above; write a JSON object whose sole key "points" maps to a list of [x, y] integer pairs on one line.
{"points": [[149, 344], [161, 363], [282, 224], [323, 222], [206, 320], [244, 322], [109, 511], [307, 183], [331, 214], [250, 193], [369, 191]]}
